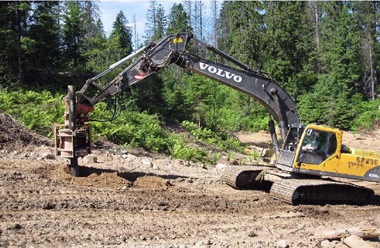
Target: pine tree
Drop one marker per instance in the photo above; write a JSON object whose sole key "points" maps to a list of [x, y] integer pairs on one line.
{"points": [[288, 42], [367, 13], [14, 44], [224, 26], [340, 69], [178, 20], [161, 23], [155, 26], [44, 55], [74, 36], [120, 38], [97, 50]]}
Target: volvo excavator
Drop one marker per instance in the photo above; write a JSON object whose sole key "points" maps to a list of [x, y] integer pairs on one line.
{"points": [[306, 161]]}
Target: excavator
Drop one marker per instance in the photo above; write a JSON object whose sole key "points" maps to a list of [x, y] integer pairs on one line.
{"points": [[307, 159]]}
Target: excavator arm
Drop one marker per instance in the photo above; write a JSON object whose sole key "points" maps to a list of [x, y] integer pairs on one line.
{"points": [[172, 50], [151, 59]]}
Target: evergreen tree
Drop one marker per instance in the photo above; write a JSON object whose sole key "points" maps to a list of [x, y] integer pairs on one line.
{"points": [[95, 41], [161, 21], [148, 94], [288, 39], [14, 42], [340, 69], [173, 82], [97, 50], [178, 20], [155, 27], [44, 53], [121, 38], [224, 26], [74, 36], [367, 13]]}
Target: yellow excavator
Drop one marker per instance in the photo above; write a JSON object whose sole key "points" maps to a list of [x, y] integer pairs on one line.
{"points": [[306, 157]]}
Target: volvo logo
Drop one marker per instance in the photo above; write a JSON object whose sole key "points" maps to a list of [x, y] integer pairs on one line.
{"points": [[220, 72]]}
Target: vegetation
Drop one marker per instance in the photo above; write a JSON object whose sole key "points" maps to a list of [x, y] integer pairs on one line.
{"points": [[324, 53]]}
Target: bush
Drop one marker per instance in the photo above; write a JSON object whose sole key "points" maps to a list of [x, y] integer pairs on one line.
{"points": [[369, 115], [221, 140], [36, 110]]}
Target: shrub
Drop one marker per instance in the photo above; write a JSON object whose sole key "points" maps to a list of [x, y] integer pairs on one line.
{"points": [[368, 117]]}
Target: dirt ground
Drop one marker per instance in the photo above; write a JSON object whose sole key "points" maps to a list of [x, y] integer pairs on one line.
{"points": [[126, 200]]}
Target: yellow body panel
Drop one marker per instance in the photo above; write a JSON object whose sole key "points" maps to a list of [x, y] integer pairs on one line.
{"points": [[359, 163], [350, 163]]}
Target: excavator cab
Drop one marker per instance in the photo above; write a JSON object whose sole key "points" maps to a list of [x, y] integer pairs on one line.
{"points": [[321, 152], [310, 149], [316, 146], [318, 151]]}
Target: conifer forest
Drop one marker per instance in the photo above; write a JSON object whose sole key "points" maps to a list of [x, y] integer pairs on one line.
{"points": [[325, 54]]}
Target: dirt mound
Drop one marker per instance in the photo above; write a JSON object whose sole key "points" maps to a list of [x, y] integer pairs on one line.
{"points": [[151, 183], [109, 180], [14, 134]]}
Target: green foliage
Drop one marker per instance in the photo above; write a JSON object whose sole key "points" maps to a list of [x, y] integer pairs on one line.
{"points": [[178, 20], [36, 110], [180, 149], [205, 135], [131, 128], [73, 36], [120, 40], [156, 22], [40, 110], [369, 116]]}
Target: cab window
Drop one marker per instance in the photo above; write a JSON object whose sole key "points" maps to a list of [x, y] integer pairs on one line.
{"points": [[317, 146]]}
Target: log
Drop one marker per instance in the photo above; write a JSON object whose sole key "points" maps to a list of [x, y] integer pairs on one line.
{"points": [[364, 232]]}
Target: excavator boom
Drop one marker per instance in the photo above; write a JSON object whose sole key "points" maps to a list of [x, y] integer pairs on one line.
{"points": [[172, 50]]}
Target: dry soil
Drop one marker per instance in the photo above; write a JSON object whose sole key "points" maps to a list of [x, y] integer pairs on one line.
{"points": [[124, 200]]}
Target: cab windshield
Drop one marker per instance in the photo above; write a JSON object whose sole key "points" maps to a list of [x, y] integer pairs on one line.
{"points": [[317, 146]]}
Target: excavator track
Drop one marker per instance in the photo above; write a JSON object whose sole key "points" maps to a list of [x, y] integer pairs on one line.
{"points": [[312, 191], [244, 177]]}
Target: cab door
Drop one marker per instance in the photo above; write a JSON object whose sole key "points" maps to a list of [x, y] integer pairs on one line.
{"points": [[318, 151]]}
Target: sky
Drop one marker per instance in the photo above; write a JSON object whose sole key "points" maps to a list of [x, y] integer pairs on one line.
{"points": [[138, 8], [110, 8]]}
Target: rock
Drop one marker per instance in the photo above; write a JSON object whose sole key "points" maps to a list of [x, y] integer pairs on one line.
{"points": [[252, 234], [329, 244], [90, 159], [282, 243], [377, 220], [203, 243], [355, 241], [155, 167], [46, 155], [129, 157], [220, 166], [146, 162]]}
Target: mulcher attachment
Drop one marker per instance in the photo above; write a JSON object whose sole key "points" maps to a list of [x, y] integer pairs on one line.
{"points": [[73, 138]]}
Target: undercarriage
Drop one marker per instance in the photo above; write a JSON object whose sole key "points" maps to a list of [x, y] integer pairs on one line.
{"points": [[294, 190]]}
